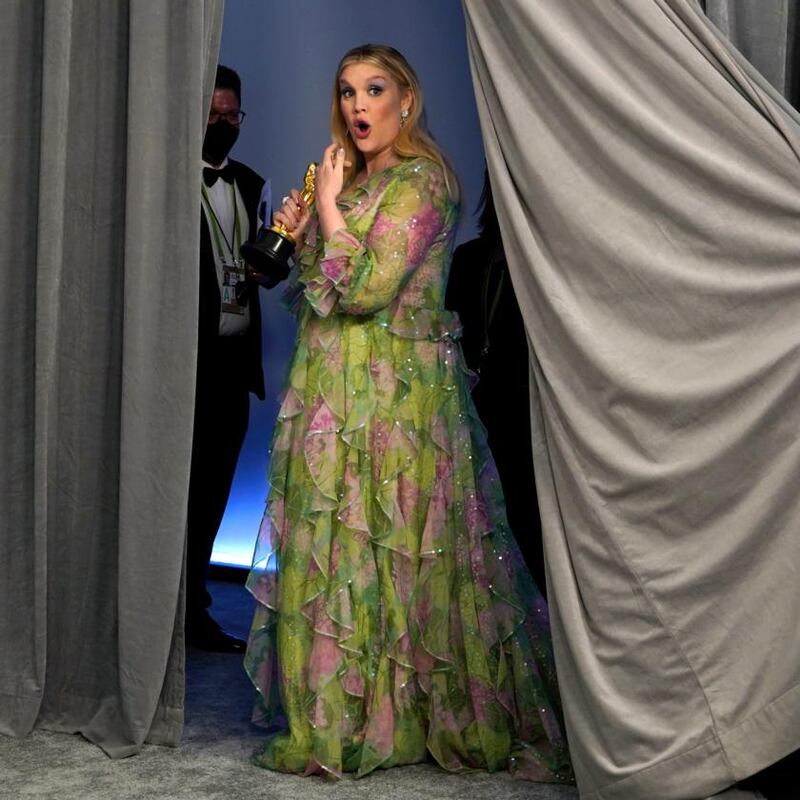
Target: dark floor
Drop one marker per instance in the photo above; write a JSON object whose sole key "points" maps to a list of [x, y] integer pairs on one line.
{"points": [[781, 781], [233, 604]]}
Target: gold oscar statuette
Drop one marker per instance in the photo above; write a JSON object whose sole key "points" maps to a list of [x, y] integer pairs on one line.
{"points": [[274, 246]]}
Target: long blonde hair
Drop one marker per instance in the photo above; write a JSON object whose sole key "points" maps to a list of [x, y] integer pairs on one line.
{"points": [[413, 139]]}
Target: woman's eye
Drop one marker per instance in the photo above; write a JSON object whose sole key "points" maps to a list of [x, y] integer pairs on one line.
{"points": [[347, 92], [375, 90]]}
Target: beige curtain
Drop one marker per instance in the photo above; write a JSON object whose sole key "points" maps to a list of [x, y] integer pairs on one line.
{"points": [[647, 181], [104, 112]]}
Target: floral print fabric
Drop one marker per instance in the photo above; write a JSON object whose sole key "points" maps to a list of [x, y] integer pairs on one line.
{"points": [[395, 617]]}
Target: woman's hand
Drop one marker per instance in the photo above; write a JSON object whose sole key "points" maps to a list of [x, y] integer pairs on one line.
{"points": [[330, 176], [293, 215], [328, 187]]}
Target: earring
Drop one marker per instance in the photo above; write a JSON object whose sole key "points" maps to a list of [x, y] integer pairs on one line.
{"points": [[403, 117]]}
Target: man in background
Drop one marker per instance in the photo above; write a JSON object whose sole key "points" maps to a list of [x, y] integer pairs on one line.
{"points": [[495, 347], [229, 348]]}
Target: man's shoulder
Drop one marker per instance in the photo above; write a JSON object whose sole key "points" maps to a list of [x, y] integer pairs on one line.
{"points": [[245, 173], [470, 253]]}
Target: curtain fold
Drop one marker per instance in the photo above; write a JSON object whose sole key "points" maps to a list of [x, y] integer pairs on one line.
{"points": [[99, 233], [647, 182], [765, 32]]}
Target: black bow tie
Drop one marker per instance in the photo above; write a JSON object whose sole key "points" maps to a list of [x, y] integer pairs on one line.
{"points": [[210, 174]]}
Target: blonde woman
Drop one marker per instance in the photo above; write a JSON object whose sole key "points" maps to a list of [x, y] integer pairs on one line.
{"points": [[400, 623]]}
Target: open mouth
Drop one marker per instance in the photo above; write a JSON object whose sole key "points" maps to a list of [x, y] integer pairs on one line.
{"points": [[361, 129]]}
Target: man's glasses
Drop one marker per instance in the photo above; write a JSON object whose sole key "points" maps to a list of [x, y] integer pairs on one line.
{"points": [[232, 117]]}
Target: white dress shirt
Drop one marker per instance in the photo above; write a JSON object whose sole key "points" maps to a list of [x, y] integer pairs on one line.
{"points": [[221, 198]]}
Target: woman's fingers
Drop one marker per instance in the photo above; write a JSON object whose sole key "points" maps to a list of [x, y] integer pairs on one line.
{"points": [[333, 158], [292, 210], [329, 155], [330, 175], [299, 204], [279, 218]]}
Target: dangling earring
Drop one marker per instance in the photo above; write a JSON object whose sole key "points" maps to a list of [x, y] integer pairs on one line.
{"points": [[403, 117]]}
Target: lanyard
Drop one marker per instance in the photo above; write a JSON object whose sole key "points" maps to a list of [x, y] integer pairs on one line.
{"points": [[216, 228]]}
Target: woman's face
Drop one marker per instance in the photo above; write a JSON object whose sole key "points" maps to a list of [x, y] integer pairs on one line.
{"points": [[371, 101]]}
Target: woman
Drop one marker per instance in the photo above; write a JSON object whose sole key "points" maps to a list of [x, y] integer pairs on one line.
{"points": [[401, 621]]}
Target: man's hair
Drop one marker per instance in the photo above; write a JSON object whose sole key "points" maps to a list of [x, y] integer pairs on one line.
{"points": [[228, 78]]}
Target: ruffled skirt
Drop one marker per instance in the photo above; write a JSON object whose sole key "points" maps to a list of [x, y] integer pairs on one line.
{"points": [[395, 620]]}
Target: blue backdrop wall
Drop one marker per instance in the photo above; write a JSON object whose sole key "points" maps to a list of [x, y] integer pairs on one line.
{"points": [[286, 54]]}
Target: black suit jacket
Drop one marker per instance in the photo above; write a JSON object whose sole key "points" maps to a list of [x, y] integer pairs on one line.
{"points": [[250, 185]]}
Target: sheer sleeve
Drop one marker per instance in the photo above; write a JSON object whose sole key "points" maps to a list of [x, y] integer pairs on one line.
{"points": [[360, 272]]}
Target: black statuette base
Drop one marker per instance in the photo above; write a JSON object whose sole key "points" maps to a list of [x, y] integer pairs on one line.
{"points": [[269, 256]]}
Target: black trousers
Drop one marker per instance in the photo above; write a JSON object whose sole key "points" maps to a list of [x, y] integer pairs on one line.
{"points": [[502, 400], [222, 408]]}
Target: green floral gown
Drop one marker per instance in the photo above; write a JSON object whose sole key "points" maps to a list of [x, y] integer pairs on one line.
{"points": [[395, 619]]}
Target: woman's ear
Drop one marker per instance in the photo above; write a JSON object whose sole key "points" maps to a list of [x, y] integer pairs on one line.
{"points": [[406, 100]]}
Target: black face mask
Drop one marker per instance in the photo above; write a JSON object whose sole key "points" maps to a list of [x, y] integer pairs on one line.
{"points": [[220, 138]]}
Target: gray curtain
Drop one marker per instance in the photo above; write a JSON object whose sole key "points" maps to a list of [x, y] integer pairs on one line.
{"points": [[765, 32], [647, 181], [103, 115]]}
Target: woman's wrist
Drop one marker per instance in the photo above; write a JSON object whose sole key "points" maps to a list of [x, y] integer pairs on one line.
{"points": [[330, 218], [326, 204]]}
